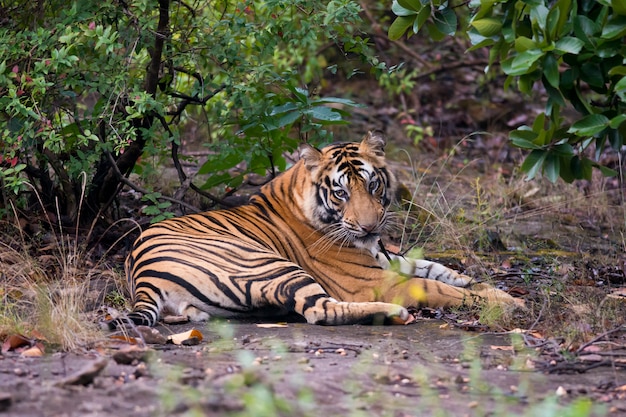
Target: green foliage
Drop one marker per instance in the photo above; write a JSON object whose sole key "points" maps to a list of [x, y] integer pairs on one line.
{"points": [[263, 138], [575, 50], [85, 82]]}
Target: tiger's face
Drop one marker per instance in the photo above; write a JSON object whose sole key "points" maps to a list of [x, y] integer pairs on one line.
{"points": [[350, 190]]}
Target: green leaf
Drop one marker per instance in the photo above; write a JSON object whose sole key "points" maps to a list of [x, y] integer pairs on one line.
{"points": [[552, 167], [584, 29], [615, 28], [569, 45], [522, 43], [220, 164], [523, 63], [399, 27], [533, 162], [563, 149], [619, 7], [552, 23], [523, 143], [551, 70], [593, 75], [283, 108], [581, 168], [565, 8], [422, 17], [606, 171], [414, 5], [325, 114], [446, 21], [589, 125], [398, 10], [618, 70], [620, 89], [337, 100], [488, 26], [285, 120], [617, 121], [524, 138], [539, 15]]}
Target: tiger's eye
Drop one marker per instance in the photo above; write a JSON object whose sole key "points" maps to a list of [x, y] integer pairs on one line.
{"points": [[373, 186], [340, 194]]}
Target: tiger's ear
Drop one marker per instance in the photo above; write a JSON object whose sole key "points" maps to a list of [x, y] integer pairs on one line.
{"points": [[310, 155], [374, 142]]}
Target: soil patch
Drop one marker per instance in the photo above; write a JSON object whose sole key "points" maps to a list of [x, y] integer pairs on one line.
{"points": [[424, 368]]}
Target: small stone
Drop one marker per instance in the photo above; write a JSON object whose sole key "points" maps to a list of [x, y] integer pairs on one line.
{"points": [[561, 392], [130, 354]]}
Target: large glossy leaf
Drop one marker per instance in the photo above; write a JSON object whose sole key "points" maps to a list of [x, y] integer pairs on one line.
{"points": [[399, 10], [552, 167], [551, 70], [592, 74], [522, 43], [569, 45], [413, 5], [524, 138], [522, 63], [615, 28], [589, 125], [222, 163], [533, 162], [422, 18], [488, 26], [325, 114], [446, 21], [617, 121], [619, 7], [400, 26]]}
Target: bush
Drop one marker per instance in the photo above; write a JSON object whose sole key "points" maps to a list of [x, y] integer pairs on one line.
{"points": [[574, 49], [90, 86]]}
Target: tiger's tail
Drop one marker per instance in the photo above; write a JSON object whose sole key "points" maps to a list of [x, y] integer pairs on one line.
{"points": [[145, 310]]}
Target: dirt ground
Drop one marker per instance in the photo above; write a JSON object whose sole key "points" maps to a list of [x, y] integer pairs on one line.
{"points": [[239, 368]]}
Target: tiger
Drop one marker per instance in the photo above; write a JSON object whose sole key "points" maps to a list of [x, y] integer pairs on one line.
{"points": [[306, 243]]}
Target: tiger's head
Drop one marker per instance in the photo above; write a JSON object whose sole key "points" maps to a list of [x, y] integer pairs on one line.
{"points": [[350, 190]]}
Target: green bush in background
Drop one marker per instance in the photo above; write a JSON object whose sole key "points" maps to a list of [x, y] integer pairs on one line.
{"points": [[92, 86], [574, 49]]}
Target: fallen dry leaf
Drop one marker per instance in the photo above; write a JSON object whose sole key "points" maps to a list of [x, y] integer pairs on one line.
{"points": [[33, 352], [15, 341], [507, 348], [186, 337], [271, 325]]}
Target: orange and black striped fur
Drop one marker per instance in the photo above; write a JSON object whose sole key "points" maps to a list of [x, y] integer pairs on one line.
{"points": [[306, 243]]}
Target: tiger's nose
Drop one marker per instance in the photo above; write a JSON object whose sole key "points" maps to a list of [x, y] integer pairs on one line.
{"points": [[368, 227]]}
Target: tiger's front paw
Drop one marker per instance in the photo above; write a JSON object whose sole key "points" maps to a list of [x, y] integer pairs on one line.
{"points": [[495, 296]]}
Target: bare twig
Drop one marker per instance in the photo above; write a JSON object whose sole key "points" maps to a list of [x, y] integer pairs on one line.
{"points": [[123, 180], [600, 337]]}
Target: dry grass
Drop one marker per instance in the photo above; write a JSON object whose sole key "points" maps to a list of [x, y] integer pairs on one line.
{"points": [[48, 296], [557, 232]]}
